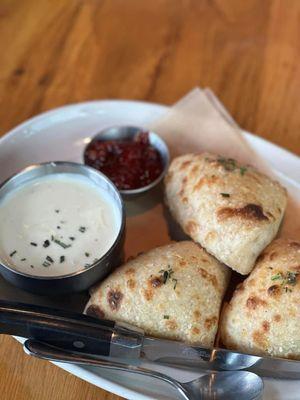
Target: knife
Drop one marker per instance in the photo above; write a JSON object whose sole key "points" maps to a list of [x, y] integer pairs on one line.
{"points": [[80, 333]]}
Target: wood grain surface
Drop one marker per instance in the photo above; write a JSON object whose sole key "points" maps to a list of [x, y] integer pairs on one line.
{"points": [[63, 51]]}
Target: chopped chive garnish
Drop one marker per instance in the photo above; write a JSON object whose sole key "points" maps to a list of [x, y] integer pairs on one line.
{"points": [[243, 170], [62, 259], [33, 244], [46, 264], [288, 278], [13, 253], [72, 238], [46, 243], [275, 277], [23, 259], [175, 283], [225, 194], [57, 211], [168, 275], [166, 316], [229, 164], [82, 229], [48, 258], [31, 266], [60, 243], [87, 254], [58, 227]]}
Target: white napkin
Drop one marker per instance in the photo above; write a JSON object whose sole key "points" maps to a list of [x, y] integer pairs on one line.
{"points": [[199, 122]]}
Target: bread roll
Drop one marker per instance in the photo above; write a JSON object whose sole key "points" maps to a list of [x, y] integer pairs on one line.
{"points": [[173, 292], [263, 316], [233, 211]]}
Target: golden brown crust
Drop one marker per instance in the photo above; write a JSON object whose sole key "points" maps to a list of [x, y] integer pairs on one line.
{"points": [[250, 212], [166, 292], [232, 211], [264, 317]]}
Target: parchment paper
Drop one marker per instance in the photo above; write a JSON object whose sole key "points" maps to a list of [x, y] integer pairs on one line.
{"points": [[196, 123]]}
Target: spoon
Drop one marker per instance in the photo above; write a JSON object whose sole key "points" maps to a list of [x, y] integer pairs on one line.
{"points": [[225, 385]]}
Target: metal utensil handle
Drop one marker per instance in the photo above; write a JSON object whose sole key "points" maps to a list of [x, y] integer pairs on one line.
{"points": [[51, 353], [62, 328]]}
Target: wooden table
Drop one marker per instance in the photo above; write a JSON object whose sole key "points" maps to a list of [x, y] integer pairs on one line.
{"points": [[61, 51]]}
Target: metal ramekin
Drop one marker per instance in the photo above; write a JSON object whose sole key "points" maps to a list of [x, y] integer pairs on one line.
{"points": [[129, 132], [85, 277]]}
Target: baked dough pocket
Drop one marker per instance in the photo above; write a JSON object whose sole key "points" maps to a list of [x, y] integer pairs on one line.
{"points": [[263, 316], [232, 210], [174, 291]]}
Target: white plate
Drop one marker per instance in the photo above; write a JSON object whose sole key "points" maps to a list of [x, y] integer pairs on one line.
{"points": [[61, 135]]}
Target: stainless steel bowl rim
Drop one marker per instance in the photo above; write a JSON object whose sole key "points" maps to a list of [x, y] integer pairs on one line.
{"points": [[116, 241], [136, 129]]}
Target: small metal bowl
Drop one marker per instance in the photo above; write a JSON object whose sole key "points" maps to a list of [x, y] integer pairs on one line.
{"points": [[84, 277], [129, 132]]}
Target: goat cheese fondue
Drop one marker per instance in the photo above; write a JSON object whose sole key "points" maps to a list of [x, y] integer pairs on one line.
{"points": [[56, 225]]}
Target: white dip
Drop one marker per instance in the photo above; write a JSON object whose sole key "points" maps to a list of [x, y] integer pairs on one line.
{"points": [[56, 225]]}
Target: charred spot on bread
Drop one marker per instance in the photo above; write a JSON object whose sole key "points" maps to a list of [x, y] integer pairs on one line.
{"points": [[274, 290], [250, 212], [148, 294], [260, 339], [131, 283], [210, 180], [209, 277], [253, 302], [197, 314], [266, 326], [210, 322], [195, 330], [114, 298], [277, 317], [156, 282], [95, 311], [191, 227]]}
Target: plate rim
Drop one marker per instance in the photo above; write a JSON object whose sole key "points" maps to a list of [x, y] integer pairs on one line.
{"points": [[82, 372]]}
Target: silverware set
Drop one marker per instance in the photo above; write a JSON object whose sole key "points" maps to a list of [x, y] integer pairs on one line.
{"points": [[68, 337]]}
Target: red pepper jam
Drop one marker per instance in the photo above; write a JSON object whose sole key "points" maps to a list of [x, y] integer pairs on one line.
{"points": [[130, 164]]}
